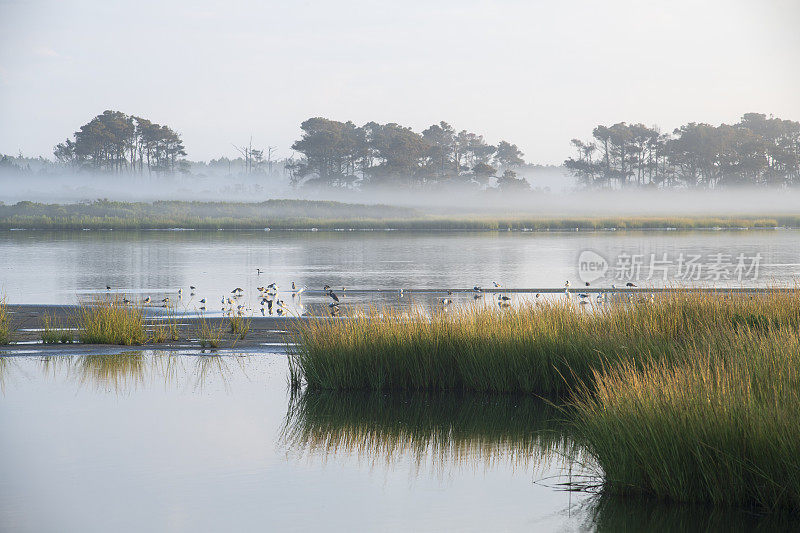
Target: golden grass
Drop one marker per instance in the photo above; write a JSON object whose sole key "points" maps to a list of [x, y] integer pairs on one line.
{"points": [[5, 323], [544, 349], [108, 321]]}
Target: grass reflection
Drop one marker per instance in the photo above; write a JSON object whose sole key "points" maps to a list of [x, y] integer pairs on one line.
{"points": [[443, 428]]}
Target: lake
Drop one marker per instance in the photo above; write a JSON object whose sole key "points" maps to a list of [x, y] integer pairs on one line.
{"points": [[150, 441], [156, 441], [43, 267]]}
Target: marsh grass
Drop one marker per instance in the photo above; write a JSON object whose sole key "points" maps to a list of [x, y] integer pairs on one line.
{"points": [[54, 332], [5, 323], [166, 329], [208, 335], [108, 321], [546, 349], [719, 426], [239, 326]]}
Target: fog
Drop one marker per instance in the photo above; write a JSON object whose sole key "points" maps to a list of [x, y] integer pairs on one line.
{"points": [[554, 193]]}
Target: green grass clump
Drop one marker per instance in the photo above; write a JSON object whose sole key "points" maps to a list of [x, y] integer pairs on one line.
{"points": [[208, 335], [545, 349], [5, 324], [53, 331], [239, 326], [108, 321], [166, 329], [718, 427]]}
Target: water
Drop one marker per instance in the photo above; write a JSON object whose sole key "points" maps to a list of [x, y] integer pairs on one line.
{"points": [[44, 267], [149, 441]]}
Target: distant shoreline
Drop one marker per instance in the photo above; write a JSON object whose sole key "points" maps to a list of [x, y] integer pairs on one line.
{"points": [[306, 215]]}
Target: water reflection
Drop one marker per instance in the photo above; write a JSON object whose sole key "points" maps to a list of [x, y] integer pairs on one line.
{"points": [[437, 428], [608, 513], [132, 370]]}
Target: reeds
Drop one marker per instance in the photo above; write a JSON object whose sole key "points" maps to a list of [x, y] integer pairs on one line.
{"points": [[108, 321], [167, 328], [545, 349], [5, 323], [239, 326], [53, 332], [208, 335], [719, 426]]}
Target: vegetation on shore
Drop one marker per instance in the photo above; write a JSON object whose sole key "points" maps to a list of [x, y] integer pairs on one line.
{"points": [[545, 349], [689, 397], [719, 426], [324, 215], [5, 324], [109, 322]]}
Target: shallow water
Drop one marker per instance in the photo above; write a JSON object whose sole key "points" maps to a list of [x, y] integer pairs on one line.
{"points": [[148, 441], [64, 267]]}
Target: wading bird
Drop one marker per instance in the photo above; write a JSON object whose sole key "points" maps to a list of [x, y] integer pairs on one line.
{"points": [[108, 287], [566, 284], [258, 271], [147, 300], [476, 288], [293, 287], [629, 284], [333, 295], [203, 301], [496, 285]]}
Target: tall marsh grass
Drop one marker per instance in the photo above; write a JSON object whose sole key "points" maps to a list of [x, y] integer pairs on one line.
{"points": [[108, 321], [546, 349], [720, 426], [5, 323]]}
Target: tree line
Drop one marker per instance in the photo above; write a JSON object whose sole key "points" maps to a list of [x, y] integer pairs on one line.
{"points": [[755, 151], [116, 142], [343, 155]]}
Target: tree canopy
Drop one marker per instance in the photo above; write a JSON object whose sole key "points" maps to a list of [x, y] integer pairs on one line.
{"points": [[114, 141], [755, 151], [341, 154]]}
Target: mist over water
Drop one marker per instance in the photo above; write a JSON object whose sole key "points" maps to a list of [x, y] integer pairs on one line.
{"points": [[546, 201]]}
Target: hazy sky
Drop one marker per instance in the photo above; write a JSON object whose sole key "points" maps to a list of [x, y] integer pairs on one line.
{"points": [[534, 73]]}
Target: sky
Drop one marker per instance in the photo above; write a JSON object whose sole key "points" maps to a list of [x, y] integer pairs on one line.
{"points": [[534, 73]]}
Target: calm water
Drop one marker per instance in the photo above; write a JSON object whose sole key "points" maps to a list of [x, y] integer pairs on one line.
{"points": [[146, 441], [64, 267]]}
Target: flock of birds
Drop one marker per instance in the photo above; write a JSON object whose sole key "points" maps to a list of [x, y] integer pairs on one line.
{"points": [[270, 303]]}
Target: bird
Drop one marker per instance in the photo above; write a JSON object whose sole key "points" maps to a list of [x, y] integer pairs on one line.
{"points": [[326, 288], [587, 283], [279, 311], [333, 295], [446, 301], [165, 300], [180, 291], [537, 295], [630, 284], [237, 290], [203, 301], [293, 287], [504, 298], [202, 307], [497, 285], [147, 300], [258, 271], [566, 284], [583, 295], [400, 293], [476, 288], [192, 287]]}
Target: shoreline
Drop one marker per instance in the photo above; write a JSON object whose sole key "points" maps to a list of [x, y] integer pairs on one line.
{"points": [[265, 334]]}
